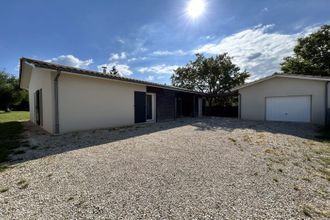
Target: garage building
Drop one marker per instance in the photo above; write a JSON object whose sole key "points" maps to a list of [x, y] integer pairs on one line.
{"points": [[286, 97]]}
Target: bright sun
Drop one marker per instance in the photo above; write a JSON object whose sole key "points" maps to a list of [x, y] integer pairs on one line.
{"points": [[195, 8]]}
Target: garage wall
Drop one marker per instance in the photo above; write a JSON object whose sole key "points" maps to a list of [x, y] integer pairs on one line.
{"points": [[42, 79], [253, 97], [90, 103]]}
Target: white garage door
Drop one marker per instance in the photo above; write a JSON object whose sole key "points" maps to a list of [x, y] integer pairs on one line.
{"points": [[291, 108]]}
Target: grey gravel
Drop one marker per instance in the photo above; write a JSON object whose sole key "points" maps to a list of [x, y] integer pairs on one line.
{"points": [[208, 168]]}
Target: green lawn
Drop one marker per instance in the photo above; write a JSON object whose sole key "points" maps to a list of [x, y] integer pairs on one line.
{"points": [[10, 132], [14, 116]]}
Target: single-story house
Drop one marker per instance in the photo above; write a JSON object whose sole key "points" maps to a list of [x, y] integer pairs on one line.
{"points": [[64, 99], [286, 97]]}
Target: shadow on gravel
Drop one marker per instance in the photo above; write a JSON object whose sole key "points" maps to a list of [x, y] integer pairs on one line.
{"points": [[42, 144]]}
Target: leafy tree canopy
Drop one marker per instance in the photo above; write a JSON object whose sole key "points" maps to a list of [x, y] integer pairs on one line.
{"points": [[10, 93], [214, 75], [311, 55]]}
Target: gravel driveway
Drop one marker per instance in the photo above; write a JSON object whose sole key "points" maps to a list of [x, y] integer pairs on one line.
{"points": [[210, 168]]}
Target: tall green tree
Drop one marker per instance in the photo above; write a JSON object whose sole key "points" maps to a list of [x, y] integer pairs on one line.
{"points": [[311, 55], [213, 75], [10, 93]]}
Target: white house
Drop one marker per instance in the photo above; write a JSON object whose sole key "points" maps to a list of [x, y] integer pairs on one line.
{"points": [[64, 99]]}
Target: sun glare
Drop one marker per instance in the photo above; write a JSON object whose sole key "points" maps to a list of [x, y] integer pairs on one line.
{"points": [[195, 8]]}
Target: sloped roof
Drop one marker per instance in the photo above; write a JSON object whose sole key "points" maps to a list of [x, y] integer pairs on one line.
{"points": [[84, 72], [292, 76]]}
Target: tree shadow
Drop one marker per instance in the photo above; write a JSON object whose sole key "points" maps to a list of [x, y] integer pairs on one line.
{"points": [[303, 130], [42, 144], [10, 133]]}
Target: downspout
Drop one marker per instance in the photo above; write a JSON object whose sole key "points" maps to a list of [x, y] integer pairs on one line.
{"points": [[57, 119], [239, 106], [326, 104]]}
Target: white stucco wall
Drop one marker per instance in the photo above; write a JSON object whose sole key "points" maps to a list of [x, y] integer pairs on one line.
{"points": [[41, 79], [90, 103], [252, 101]]}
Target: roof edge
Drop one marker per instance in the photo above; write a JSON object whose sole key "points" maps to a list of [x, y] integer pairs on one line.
{"points": [[282, 75], [20, 71], [84, 72]]}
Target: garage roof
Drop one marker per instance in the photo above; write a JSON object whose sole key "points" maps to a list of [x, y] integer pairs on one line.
{"points": [[281, 75], [52, 66]]}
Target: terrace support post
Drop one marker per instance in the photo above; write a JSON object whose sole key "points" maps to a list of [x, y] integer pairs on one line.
{"points": [[56, 110]]}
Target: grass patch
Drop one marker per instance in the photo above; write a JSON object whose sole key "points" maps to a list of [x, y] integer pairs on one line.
{"points": [[232, 140], [296, 164], [312, 212], [3, 167], [14, 116], [271, 151], [326, 172], [323, 153], [308, 211], [10, 132], [247, 138], [322, 156], [278, 160], [23, 184], [5, 189], [307, 179]]}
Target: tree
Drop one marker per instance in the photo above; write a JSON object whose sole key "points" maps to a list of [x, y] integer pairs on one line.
{"points": [[114, 71], [214, 75], [311, 55], [10, 93]]}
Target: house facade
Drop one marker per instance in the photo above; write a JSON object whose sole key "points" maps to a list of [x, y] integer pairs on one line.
{"points": [[65, 99]]}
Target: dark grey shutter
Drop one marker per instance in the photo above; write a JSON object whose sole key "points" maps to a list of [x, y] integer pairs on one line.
{"points": [[35, 107], [139, 107], [40, 107], [149, 106]]}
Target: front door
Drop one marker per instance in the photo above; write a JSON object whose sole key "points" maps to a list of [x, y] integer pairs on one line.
{"points": [[139, 107]]}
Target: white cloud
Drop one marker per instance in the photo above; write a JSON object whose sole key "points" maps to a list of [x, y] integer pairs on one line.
{"points": [[118, 56], [123, 69], [70, 60], [158, 69], [136, 59], [168, 53], [120, 40], [265, 9], [150, 78], [132, 59], [208, 37], [258, 50], [143, 49]]}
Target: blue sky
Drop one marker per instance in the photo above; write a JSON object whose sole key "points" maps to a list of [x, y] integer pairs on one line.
{"points": [[147, 39]]}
